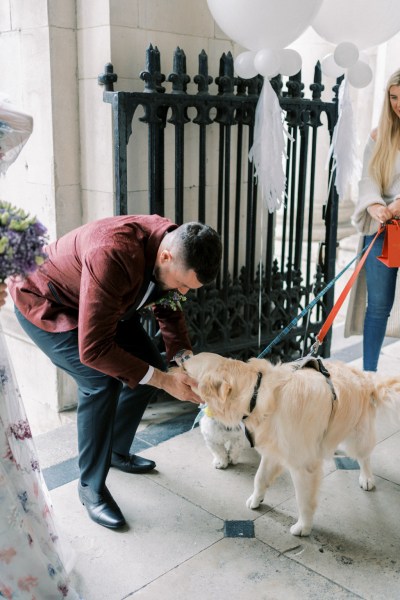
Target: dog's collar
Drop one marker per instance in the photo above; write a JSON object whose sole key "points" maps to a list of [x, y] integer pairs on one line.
{"points": [[253, 403], [253, 400]]}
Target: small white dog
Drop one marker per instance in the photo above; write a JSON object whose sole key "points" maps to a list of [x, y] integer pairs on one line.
{"points": [[225, 443]]}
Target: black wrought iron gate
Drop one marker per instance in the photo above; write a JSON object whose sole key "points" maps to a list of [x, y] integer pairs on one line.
{"points": [[270, 269]]}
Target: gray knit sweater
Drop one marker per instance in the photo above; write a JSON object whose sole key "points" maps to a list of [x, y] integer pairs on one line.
{"points": [[369, 193]]}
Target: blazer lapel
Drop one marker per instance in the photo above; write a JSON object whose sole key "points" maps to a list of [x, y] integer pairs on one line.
{"points": [[133, 307]]}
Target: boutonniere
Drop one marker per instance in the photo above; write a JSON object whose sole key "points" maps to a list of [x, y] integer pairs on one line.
{"points": [[172, 300]]}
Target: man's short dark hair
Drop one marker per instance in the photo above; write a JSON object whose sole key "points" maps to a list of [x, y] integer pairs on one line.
{"points": [[201, 250]]}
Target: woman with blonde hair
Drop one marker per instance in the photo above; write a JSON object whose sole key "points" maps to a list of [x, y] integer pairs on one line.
{"points": [[378, 202]]}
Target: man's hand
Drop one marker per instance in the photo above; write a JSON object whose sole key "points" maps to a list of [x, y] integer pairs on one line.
{"points": [[176, 383], [380, 213]]}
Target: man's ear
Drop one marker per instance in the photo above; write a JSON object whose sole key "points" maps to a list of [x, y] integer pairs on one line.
{"points": [[165, 256]]}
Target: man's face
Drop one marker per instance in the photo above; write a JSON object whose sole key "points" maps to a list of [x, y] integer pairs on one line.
{"points": [[170, 275]]}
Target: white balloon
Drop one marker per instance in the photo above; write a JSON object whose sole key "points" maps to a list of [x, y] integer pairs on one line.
{"points": [[364, 56], [258, 24], [266, 62], [346, 54], [289, 62], [360, 75], [244, 65], [365, 23], [330, 68]]}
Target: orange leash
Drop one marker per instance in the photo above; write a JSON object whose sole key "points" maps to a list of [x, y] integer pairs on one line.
{"points": [[330, 318]]}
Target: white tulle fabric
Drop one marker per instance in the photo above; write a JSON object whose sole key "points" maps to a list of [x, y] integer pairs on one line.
{"points": [[15, 129], [343, 148], [268, 152]]}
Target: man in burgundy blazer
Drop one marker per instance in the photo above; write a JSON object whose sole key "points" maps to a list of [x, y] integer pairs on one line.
{"points": [[80, 308]]}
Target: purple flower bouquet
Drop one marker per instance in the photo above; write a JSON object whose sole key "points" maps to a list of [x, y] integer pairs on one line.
{"points": [[22, 238]]}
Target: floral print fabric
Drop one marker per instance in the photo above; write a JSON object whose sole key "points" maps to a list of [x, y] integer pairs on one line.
{"points": [[31, 566]]}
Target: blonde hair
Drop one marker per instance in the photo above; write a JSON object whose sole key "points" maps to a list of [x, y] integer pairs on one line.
{"points": [[387, 143]]}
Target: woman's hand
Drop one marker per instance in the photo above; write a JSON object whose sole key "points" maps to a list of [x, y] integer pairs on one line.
{"points": [[3, 294], [394, 208], [177, 383], [380, 212]]}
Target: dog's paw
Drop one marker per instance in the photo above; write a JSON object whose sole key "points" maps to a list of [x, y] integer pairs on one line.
{"points": [[254, 501], [366, 483], [220, 464], [300, 529]]}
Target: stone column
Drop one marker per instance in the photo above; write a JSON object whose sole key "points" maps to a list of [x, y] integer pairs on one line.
{"points": [[38, 67]]}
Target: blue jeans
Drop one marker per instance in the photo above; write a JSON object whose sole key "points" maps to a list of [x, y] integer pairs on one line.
{"points": [[381, 286], [108, 412]]}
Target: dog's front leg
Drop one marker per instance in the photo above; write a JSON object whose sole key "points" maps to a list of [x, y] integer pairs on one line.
{"points": [[366, 478], [267, 471], [306, 483], [220, 454], [238, 443]]}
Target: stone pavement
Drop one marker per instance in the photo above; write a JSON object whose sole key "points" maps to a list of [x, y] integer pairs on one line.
{"points": [[191, 537]]}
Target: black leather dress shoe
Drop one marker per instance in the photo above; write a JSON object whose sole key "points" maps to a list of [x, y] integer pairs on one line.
{"points": [[132, 463], [101, 507]]}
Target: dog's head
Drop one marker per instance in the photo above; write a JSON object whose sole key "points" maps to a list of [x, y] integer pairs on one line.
{"points": [[224, 384]]}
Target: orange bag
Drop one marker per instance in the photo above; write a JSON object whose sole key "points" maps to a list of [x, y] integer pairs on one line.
{"points": [[391, 245]]}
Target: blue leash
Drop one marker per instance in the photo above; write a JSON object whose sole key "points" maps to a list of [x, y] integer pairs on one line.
{"points": [[305, 310], [199, 415]]}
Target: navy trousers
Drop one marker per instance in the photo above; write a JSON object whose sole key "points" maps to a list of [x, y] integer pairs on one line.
{"points": [[109, 412]]}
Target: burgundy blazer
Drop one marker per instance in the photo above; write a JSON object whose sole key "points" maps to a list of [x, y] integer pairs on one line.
{"points": [[92, 277]]}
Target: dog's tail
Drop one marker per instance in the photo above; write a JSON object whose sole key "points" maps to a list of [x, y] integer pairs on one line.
{"points": [[387, 390]]}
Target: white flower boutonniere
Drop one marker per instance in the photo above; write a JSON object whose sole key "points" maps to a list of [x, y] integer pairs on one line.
{"points": [[172, 300]]}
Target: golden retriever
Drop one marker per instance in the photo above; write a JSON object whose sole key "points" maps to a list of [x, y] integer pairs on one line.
{"points": [[299, 418]]}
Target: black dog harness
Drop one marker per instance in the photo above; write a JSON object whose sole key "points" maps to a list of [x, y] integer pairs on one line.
{"points": [[312, 362], [308, 362], [253, 403]]}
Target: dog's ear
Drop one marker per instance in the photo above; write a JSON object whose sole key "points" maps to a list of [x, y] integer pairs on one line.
{"points": [[214, 387]]}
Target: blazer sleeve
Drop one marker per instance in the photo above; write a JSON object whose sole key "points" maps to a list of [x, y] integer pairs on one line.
{"points": [[173, 330], [102, 303]]}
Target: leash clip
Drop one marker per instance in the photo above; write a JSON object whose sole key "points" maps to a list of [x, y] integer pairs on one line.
{"points": [[315, 347]]}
